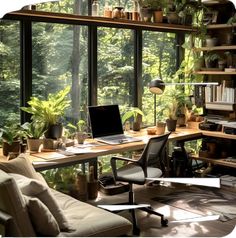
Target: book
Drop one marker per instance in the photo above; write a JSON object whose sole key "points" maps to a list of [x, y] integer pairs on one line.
{"points": [[223, 106]]}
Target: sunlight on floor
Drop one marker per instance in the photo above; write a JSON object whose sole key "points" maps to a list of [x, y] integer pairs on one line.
{"points": [[191, 229], [177, 214]]}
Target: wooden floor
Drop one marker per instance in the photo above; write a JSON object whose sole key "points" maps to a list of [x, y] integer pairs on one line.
{"points": [[150, 224]]}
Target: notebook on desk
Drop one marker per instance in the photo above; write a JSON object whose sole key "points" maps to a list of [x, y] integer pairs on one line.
{"points": [[106, 125]]}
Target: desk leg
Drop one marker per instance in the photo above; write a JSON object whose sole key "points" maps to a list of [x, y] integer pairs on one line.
{"points": [[94, 163]]}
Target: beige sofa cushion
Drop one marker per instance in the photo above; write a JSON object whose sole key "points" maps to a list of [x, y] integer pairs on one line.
{"points": [[12, 202], [88, 220], [42, 219], [20, 165], [35, 188]]}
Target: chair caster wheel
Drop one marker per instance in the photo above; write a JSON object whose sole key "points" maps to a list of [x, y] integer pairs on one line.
{"points": [[164, 222], [136, 231]]}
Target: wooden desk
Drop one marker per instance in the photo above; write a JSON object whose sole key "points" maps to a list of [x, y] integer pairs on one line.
{"points": [[46, 160]]}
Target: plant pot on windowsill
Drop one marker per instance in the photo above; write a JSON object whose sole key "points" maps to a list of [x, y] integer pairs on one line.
{"points": [[157, 16], [136, 126], [54, 131], [171, 124], [146, 14], [173, 18]]}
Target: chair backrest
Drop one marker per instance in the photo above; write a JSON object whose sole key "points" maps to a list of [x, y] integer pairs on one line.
{"points": [[152, 153]]}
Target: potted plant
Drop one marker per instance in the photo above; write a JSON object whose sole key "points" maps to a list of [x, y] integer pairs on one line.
{"points": [[161, 117], [79, 130], [173, 10], [171, 121], [33, 132], [211, 59], [49, 112], [10, 137], [145, 10], [133, 113], [156, 7]]}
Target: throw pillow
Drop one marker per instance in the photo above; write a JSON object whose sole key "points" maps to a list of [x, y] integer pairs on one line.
{"points": [[42, 219], [20, 165], [35, 188]]}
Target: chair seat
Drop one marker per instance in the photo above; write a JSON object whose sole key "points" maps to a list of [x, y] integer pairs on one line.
{"points": [[133, 173]]}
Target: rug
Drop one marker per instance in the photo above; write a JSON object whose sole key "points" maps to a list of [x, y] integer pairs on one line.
{"points": [[202, 201]]}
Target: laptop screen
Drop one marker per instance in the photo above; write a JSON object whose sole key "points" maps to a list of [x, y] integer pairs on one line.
{"points": [[105, 120]]}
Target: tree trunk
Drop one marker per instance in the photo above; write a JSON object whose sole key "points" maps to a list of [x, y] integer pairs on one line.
{"points": [[75, 66]]}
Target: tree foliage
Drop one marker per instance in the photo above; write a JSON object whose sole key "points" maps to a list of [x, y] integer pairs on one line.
{"points": [[60, 58]]}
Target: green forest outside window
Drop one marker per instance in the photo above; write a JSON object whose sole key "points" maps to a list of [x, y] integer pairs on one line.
{"points": [[9, 72]]}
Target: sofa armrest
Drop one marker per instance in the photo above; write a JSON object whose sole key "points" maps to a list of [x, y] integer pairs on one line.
{"points": [[4, 221], [7, 225]]}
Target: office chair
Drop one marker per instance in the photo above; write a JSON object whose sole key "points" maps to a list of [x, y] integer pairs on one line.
{"points": [[137, 172]]}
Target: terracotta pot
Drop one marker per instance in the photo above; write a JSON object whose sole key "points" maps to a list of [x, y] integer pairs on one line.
{"points": [[171, 124], [160, 128], [158, 16]]}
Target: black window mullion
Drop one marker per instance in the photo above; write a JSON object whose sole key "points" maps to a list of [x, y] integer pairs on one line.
{"points": [[138, 68], [92, 64], [26, 66]]}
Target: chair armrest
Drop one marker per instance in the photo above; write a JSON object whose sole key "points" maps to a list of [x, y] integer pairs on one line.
{"points": [[124, 159], [113, 164]]}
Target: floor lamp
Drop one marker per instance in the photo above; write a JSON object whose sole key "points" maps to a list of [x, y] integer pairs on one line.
{"points": [[157, 87]]}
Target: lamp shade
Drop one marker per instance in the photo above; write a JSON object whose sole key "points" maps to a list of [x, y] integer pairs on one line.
{"points": [[157, 86]]}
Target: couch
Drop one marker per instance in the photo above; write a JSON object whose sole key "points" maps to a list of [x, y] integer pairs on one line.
{"points": [[28, 207]]}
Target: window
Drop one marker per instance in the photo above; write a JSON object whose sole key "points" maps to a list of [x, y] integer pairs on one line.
{"points": [[60, 59], [65, 6], [159, 60], [115, 66], [9, 72]]}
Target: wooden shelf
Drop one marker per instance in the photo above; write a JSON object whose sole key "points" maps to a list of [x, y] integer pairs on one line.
{"points": [[217, 161], [221, 47], [63, 18], [214, 72], [220, 26], [218, 134]]}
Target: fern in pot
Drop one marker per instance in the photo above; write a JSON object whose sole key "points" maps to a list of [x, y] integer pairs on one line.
{"points": [[49, 112]]}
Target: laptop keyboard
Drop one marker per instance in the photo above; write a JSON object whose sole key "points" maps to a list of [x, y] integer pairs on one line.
{"points": [[115, 137]]}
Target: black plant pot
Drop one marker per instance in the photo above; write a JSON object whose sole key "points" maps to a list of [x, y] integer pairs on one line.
{"points": [[54, 131], [171, 124], [136, 126]]}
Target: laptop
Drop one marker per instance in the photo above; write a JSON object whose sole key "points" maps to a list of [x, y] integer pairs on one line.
{"points": [[106, 125]]}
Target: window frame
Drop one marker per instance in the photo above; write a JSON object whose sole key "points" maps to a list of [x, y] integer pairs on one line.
{"points": [[26, 20]]}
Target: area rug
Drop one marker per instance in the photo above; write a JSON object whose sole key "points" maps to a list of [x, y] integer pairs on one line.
{"points": [[202, 201]]}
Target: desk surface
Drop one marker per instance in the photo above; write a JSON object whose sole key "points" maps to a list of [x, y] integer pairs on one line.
{"points": [[45, 160]]}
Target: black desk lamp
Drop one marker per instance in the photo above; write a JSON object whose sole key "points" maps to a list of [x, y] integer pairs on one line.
{"points": [[157, 86]]}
